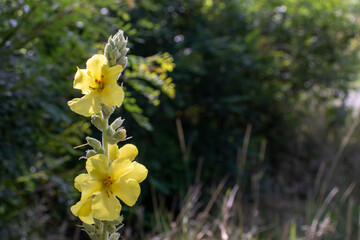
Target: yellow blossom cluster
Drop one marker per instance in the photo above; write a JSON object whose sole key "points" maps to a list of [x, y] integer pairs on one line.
{"points": [[112, 173], [99, 84], [106, 179]]}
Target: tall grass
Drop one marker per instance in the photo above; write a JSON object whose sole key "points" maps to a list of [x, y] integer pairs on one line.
{"points": [[227, 212]]}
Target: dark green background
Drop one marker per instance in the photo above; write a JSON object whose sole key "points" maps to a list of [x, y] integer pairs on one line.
{"points": [[281, 68]]}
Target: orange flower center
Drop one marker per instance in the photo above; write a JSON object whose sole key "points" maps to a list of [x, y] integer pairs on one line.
{"points": [[99, 84], [108, 182]]}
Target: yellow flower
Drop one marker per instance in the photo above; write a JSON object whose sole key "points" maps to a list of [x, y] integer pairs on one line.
{"points": [[99, 84], [106, 181]]}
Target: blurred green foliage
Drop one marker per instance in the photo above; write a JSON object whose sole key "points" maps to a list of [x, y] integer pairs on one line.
{"points": [[237, 63], [41, 43]]}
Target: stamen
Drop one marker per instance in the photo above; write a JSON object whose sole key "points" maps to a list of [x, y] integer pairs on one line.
{"points": [[108, 181]]}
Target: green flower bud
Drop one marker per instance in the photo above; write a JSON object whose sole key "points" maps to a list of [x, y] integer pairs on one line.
{"points": [[123, 52], [100, 151], [88, 228], [94, 143], [123, 61], [98, 223], [116, 50], [117, 123], [114, 236], [107, 111], [118, 220], [111, 228], [97, 121], [119, 135], [90, 153], [110, 132]]}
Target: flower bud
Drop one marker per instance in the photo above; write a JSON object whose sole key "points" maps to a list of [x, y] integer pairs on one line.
{"points": [[107, 111], [88, 227], [123, 61], [111, 228], [98, 223], [119, 135], [109, 132], [90, 153], [117, 54], [97, 121], [94, 143], [118, 220], [114, 236], [117, 123], [116, 50]]}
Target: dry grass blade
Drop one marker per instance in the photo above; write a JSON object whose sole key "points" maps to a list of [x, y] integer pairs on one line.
{"points": [[241, 154], [319, 228], [337, 158], [348, 218], [226, 213], [347, 192]]}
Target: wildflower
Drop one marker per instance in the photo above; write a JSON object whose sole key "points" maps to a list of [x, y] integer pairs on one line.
{"points": [[106, 181], [99, 84]]}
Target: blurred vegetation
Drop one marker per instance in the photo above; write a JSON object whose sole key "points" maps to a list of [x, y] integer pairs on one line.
{"points": [[210, 87]]}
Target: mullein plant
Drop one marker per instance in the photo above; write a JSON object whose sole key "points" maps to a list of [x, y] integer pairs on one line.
{"points": [[111, 172]]}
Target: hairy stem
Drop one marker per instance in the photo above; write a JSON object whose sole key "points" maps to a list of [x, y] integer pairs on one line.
{"points": [[105, 233], [105, 138]]}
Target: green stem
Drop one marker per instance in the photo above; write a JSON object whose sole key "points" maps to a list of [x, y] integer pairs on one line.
{"points": [[104, 137], [105, 233]]}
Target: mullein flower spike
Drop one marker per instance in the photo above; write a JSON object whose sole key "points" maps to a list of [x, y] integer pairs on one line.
{"points": [[112, 174]]}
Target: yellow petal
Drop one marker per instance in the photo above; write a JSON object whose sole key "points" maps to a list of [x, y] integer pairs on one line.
{"points": [[120, 167], [97, 65], [128, 190], [90, 187], [97, 166], [112, 74], [87, 106], [106, 206], [112, 95], [80, 179], [128, 151], [76, 208], [83, 81], [88, 219], [139, 172], [113, 152], [82, 209]]}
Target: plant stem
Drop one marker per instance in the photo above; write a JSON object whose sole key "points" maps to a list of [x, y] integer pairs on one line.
{"points": [[105, 233], [104, 137], [105, 144]]}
